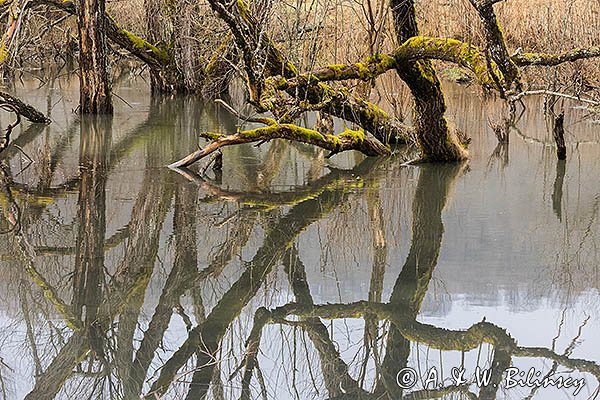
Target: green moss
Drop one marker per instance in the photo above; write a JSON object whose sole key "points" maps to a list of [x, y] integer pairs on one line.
{"points": [[337, 142], [305, 134], [357, 136], [3, 52], [374, 113], [364, 72], [337, 68], [243, 8], [464, 54], [211, 135], [373, 67], [139, 43], [456, 75]]}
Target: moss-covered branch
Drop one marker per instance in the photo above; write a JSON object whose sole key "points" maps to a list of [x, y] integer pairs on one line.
{"points": [[347, 140], [153, 56], [552, 60], [416, 48]]}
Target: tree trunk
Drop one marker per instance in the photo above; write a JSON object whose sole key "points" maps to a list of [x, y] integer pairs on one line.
{"points": [[95, 97], [435, 140]]}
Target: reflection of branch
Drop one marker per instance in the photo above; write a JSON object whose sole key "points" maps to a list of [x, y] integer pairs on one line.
{"points": [[335, 370], [268, 199], [433, 190], [115, 240], [567, 352], [439, 393], [179, 280], [574, 363], [30, 337], [49, 383], [10, 127], [237, 240], [557, 193], [28, 255], [432, 336]]}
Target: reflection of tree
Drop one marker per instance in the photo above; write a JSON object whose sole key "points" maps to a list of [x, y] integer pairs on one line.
{"points": [[92, 310], [107, 301], [207, 336], [401, 311], [557, 193], [433, 190], [89, 260], [334, 369]]}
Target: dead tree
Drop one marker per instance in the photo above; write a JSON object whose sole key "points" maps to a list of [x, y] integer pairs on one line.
{"points": [[277, 86], [162, 51]]}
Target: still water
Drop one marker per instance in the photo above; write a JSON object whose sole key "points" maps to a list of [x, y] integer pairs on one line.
{"points": [[289, 275]]}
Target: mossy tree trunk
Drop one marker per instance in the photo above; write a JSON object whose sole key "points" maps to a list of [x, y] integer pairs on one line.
{"points": [[94, 79], [435, 140]]}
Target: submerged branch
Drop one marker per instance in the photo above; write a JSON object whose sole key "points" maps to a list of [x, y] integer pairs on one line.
{"points": [[21, 108]]}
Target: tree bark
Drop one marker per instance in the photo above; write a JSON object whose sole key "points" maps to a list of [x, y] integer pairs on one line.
{"points": [[95, 96]]}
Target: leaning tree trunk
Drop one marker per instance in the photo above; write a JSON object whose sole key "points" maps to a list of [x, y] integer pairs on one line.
{"points": [[435, 140], [94, 79]]}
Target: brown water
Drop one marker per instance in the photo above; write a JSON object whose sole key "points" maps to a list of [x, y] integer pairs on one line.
{"points": [[121, 278]]}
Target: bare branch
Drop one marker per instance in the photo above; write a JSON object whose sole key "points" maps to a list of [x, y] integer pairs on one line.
{"points": [[145, 51]]}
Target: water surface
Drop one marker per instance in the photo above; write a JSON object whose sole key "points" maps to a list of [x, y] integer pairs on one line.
{"points": [[123, 279]]}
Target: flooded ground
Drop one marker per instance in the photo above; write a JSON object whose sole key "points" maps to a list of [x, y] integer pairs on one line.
{"points": [[289, 275]]}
